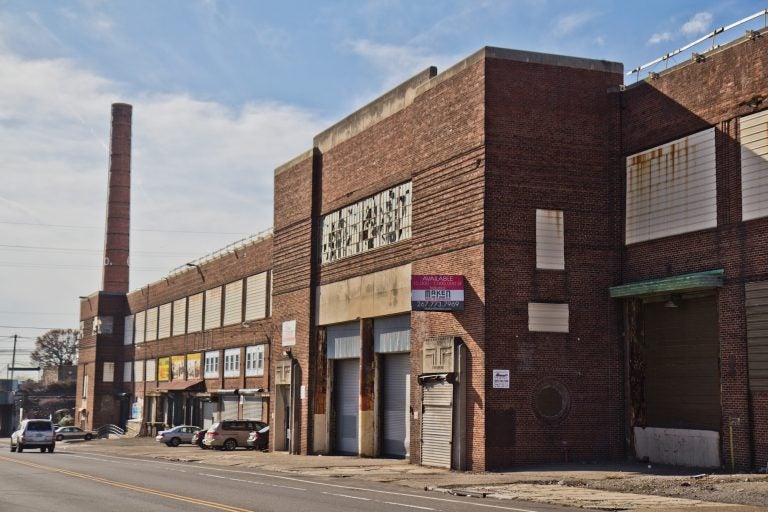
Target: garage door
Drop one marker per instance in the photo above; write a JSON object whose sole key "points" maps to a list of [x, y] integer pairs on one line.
{"points": [[252, 407], [209, 410], [437, 424], [347, 394], [396, 372], [229, 407]]}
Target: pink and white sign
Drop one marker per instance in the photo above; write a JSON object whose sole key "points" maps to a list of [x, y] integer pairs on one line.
{"points": [[437, 293]]}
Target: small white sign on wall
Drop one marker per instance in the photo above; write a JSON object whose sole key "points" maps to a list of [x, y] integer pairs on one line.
{"points": [[289, 333], [501, 379]]}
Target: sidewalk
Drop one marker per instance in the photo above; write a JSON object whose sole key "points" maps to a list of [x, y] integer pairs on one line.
{"points": [[630, 486]]}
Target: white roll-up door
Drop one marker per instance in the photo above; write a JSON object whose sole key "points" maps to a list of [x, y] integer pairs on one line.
{"points": [[394, 421], [252, 407], [229, 407], [347, 404], [209, 410], [437, 424]]}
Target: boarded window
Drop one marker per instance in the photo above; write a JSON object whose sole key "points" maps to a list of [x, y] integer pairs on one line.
{"points": [[757, 334], [151, 324], [212, 308], [256, 297], [109, 372], [195, 313], [138, 371], [127, 371], [164, 321], [151, 370], [544, 317], [671, 188], [753, 135], [550, 240], [179, 317], [233, 303], [128, 331], [141, 320]]}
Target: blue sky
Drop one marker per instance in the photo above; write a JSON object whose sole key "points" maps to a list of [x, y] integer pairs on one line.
{"points": [[224, 92]]}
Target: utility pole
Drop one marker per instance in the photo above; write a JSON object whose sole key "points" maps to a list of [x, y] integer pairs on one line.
{"points": [[13, 358]]}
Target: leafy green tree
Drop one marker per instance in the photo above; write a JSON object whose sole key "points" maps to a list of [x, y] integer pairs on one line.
{"points": [[55, 348]]}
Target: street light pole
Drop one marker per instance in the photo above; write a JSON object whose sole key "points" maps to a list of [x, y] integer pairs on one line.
{"points": [[13, 357]]}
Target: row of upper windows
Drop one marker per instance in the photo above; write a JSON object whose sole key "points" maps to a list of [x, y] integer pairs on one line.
{"points": [[195, 366], [231, 304]]}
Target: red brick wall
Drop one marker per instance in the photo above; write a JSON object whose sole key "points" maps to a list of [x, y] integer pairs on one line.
{"points": [[552, 143]]}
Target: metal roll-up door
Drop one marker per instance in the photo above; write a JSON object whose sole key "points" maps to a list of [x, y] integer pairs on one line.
{"points": [[437, 423], [209, 410], [347, 388], [397, 370], [252, 407], [229, 407]]}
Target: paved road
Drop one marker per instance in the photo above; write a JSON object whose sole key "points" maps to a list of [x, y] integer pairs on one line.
{"points": [[72, 482]]}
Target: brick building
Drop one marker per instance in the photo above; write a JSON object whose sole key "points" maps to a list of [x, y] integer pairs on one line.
{"points": [[516, 260]]}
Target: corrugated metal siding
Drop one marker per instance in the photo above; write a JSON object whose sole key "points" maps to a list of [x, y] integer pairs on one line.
{"points": [[391, 334], [347, 390], [128, 332], [550, 239], [212, 308], [179, 316], [195, 313], [437, 424], [394, 436], [753, 135], [543, 317], [164, 322], [343, 341], [256, 297], [671, 189], [229, 407], [151, 324], [233, 303], [140, 326], [252, 407], [757, 334], [681, 354]]}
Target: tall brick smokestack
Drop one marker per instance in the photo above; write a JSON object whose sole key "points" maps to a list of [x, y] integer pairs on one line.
{"points": [[116, 241]]}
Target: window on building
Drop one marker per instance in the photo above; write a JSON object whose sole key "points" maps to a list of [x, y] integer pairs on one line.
{"points": [[233, 303], [377, 221], [546, 317], [753, 136], [179, 317], [254, 361], [138, 371], [195, 313], [151, 324], [164, 321], [85, 386], [127, 371], [211, 365], [128, 331], [232, 362], [550, 240], [212, 308], [256, 297], [671, 189], [140, 327], [109, 372], [150, 374]]}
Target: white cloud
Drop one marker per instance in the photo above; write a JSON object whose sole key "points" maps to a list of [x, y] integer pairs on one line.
{"points": [[571, 22], [697, 25], [660, 38]]}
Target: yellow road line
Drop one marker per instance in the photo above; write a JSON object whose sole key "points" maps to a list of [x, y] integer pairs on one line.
{"points": [[146, 490]]}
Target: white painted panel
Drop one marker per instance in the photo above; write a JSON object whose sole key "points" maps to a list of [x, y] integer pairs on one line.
{"points": [[109, 372], [256, 297], [544, 317], [164, 321], [151, 324], [127, 371], [128, 331], [150, 375], [138, 371], [179, 316], [671, 189], [753, 132], [550, 239], [141, 320], [212, 308], [343, 341], [195, 313], [233, 303], [679, 447], [392, 334]]}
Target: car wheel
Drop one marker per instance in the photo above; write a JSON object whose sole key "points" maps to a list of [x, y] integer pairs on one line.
{"points": [[50, 449], [175, 442], [230, 444], [42, 450], [20, 448], [13, 448], [88, 437], [59, 437]]}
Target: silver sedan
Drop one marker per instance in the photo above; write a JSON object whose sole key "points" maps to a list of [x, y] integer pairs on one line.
{"points": [[65, 433]]}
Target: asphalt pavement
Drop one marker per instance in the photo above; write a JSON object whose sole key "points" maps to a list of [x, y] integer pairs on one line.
{"points": [[547, 483]]}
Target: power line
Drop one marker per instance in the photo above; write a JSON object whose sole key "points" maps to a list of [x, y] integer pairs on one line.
{"points": [[27, 327], [69, 226], [74, 249]]}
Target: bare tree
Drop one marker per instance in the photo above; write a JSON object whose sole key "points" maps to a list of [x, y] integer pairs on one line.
{"points": [[55, 348]]}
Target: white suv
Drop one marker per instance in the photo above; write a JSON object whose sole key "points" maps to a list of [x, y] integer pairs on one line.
{"points": [[34, 434]]}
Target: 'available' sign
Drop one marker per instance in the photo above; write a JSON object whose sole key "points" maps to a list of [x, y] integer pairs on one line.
{"points": [[437, 293]]}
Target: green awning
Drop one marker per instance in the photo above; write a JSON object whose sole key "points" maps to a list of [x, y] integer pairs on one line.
{"points": [[675, 284]]}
